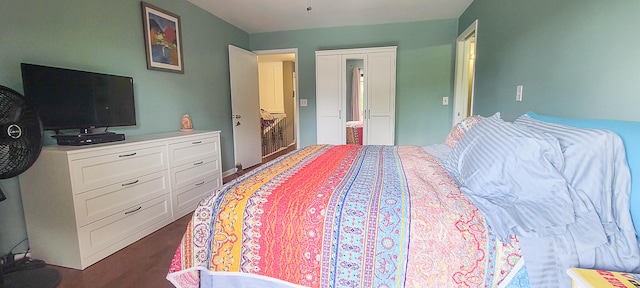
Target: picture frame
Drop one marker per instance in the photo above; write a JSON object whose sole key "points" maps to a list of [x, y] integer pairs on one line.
{"points": [[162, 39]]}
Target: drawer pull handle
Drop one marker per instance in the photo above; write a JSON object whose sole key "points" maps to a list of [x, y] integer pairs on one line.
{"points": [[196, 142], [127, 155], [198, 184], [132, 211], [130, 183], [198, 163]]}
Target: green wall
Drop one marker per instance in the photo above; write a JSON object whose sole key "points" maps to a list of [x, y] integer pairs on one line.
{"points": [[424, 71], [107, 37], [575, 58]]}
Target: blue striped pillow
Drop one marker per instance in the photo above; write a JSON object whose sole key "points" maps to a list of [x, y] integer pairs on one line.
{"points": [[512, 175], [629, 131], [595, 166]]}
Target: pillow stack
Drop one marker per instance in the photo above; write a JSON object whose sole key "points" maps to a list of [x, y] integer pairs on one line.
{"points": [[563, 191]]}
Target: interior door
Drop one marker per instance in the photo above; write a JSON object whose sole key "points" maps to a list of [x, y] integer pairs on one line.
{"points": [[465, 71], [245, 107], [329, 102]]}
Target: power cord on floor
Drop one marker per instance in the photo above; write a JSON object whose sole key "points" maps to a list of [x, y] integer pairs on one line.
{"points": [[11, 262], [10, 257]]}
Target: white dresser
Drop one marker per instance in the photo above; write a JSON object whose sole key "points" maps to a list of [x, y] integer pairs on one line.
{"points": [[195, 170], [83, 203]]}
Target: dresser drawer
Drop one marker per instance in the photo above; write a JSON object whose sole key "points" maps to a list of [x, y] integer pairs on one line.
{"points": [[196, 148], [102, 202], [110, 231], [194, 172], [121, 165], [186, 199]]}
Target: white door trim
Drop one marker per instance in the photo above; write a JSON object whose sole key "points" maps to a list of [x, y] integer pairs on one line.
{"points": [[460, 103]]}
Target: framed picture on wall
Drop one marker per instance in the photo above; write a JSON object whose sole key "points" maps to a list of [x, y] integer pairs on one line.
{"points": [[162, 39]]}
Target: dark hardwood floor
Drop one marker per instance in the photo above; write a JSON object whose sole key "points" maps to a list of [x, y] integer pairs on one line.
{"points": [[144, 263], [264, 160], [278, 154]]}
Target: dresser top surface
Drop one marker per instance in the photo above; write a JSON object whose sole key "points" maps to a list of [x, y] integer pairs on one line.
{"points": [[132, 140]]}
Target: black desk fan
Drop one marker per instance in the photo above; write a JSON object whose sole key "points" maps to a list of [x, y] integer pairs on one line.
{"points": [[20, 145]]}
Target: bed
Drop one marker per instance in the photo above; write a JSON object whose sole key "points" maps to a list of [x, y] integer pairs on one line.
{"points": [[408, 216], [354, 132]]}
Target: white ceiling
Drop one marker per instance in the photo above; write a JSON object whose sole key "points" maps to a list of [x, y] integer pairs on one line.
{"points": [[255, 16]]}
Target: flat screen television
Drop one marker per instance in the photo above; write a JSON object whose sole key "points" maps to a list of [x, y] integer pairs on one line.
{"points": [[73, 99]]}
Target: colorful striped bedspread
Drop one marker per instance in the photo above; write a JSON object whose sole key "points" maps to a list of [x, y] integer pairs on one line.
{"points": [[342, 216], [354, 132]]}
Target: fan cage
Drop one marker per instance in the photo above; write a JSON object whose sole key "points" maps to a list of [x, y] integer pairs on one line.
{"points": [[18, 151]]}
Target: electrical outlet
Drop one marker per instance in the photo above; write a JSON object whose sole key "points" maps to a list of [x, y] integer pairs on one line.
{"points": [[303, 102], [519, 93]]}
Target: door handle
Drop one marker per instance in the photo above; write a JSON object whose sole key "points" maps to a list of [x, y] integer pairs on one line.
{"points": [[130, 183], [236, 116], [127, 155], [132, 211]]}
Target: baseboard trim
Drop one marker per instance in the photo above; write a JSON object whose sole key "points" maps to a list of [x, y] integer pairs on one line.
{"points": [[228, 172]]}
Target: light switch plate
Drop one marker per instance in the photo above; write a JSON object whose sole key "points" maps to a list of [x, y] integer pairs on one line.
{"points": [[445, 101], [519, 93]]}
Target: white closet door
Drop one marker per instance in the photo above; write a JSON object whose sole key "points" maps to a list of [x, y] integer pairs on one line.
{"points": [[380, 101], [329, 106]]}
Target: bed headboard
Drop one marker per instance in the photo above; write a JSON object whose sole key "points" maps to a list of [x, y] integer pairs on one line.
{"points": [[629, 131]]}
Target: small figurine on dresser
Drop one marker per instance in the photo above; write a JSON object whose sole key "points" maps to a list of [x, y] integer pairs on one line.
{"points": [[185, 123]]}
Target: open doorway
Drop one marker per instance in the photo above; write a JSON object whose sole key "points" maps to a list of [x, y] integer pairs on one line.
{"points": [[466, 44], [278, 104], [245, 109]]}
